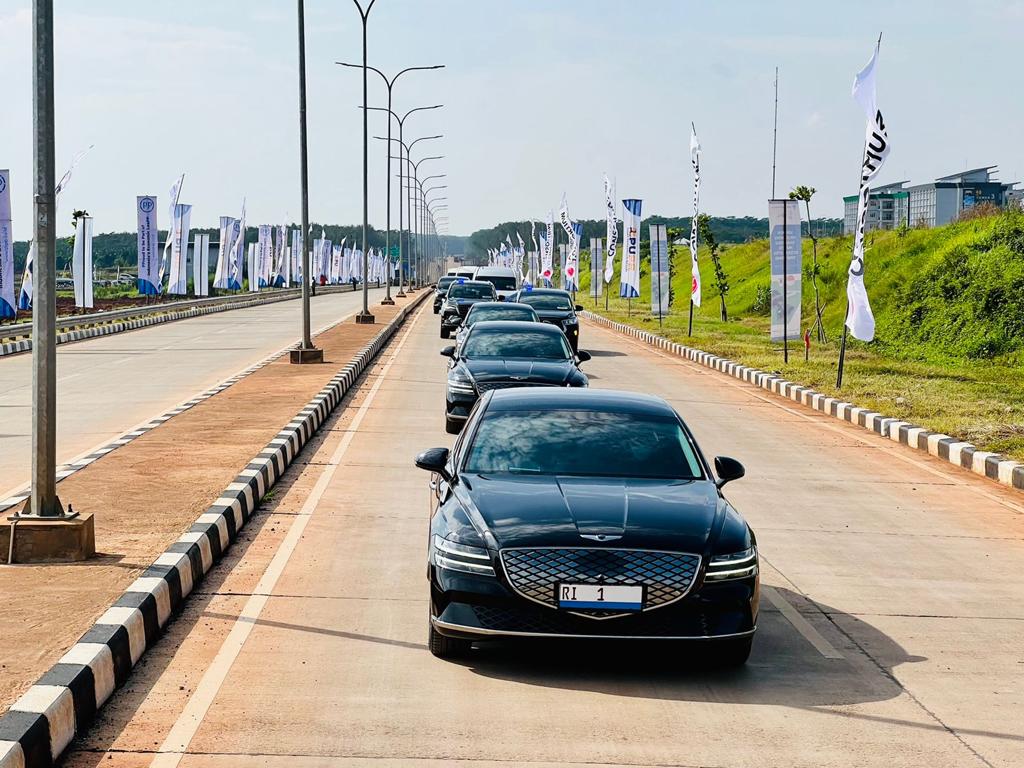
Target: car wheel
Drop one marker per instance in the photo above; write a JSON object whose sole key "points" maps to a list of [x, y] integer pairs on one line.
{"points": [[733, 653], [447, 647], [437, 310], [452, 426], [444, 332]]}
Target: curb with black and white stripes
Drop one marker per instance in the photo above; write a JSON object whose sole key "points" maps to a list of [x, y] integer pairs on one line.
{"points": [[40, 725], [962, 454]]}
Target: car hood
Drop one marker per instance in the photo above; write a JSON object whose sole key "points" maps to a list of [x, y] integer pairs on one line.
{"points": [[520, 371], [553, 314], [558, 511]]}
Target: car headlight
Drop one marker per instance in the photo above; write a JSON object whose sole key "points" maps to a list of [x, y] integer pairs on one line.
{"points": [[459, 382], [738, 565], [453, 556]]}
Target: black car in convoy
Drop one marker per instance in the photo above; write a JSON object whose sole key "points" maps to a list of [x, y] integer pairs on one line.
{"points": [[502, 355], [555, 307], [490, 311], [463, 294], [586, 514], [441, 289]]}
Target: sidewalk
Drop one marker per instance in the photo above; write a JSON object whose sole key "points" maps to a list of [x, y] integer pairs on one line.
{"points": [[144, 494]]}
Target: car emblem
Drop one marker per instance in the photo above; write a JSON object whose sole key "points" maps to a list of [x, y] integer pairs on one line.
{"points": [[518, 378], [600, 536]]}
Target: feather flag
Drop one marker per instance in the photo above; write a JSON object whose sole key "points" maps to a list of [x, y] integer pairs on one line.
{"points": [[611, 230], [694, 267]]}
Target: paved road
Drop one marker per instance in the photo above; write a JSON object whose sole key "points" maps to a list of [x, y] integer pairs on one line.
{"points": [[890, 633], [109, 384]]}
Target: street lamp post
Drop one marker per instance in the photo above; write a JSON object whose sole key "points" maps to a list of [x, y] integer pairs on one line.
{"points": [[390, 84], [306, 353], [420, 218], [364, 317]]}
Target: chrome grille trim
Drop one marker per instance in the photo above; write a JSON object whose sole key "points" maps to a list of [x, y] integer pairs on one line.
{"points": [[533, 572]]}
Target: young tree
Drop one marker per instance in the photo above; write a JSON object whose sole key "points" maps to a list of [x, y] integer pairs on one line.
{"points": [[805, 194], [708, 238]]}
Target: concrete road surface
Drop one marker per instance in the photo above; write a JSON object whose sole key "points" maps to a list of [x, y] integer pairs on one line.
{"points": [[107, 385], [890, 633]]}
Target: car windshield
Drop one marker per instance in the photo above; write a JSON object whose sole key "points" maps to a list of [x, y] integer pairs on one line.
{"points": [[444, 282], [479, 313], [470, 291], [506, 344], [583, 442], [546, 301], [500, 283]]}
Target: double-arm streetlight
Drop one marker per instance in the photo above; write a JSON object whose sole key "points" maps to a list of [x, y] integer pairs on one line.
{"points": [[390, 84]]}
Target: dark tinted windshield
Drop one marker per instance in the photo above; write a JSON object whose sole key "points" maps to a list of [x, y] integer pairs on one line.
{"points": [[505, 344], [591, 443], [479, 313], [500, 283], [444, 282], [470, 291], [546, 301]]}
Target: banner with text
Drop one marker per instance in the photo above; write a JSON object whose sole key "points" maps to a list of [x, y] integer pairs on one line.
{"points": [[660, 289], [786, 258], [7, 308], [629, 279], [148, 262], [596, 266]]}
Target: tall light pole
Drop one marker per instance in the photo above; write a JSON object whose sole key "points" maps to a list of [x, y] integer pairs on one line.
{"points": [[306, 353], [401, 126], [364, 317], [415, 175], [390, 83]]}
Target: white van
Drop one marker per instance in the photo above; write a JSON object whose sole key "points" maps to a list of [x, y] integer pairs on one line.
{"points": [[466, 272], [504, 279]]}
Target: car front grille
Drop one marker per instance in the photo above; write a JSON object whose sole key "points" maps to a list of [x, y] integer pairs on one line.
{"points": [[536, 573], [486, 386]]}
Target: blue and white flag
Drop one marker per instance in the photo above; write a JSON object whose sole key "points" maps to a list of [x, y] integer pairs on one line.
{"points": [[571, 267], [172, 232], [225, 236], [237, 252], [263, 255], [547, 242], [177, 279], [6, 248], [629, 278], [148, 261]]}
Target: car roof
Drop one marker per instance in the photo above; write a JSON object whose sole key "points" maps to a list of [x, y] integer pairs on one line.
{"points": [[544, 292], [501, 305], [516, 326], [559, 398], [464, 281]]}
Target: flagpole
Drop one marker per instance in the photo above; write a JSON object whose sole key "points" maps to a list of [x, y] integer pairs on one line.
{"points": [[775, 132], [846, 317]]}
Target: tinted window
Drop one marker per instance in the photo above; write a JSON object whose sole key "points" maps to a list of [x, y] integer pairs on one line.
{"points": [[546, 301], [501, 283], [501, 344], [470, 291], [479, 313], [590, 443], [444, 282]]}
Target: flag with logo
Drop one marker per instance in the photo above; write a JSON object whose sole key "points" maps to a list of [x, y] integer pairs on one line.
{"points": [[572, 260], [6, 248], [611, 230], [148, 262], [177, 278], [694, 267], [629, 275], [172, 233]]}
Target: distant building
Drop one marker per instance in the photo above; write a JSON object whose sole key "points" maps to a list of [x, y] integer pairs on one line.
{"points": [[929, 205]]}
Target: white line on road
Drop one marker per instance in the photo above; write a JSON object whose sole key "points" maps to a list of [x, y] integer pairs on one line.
{"points": [[800, 624], [184, 730]]}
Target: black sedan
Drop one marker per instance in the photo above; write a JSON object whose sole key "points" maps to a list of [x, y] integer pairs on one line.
{"points": [[463, 294], [441, 290], [500, 355], [490, 311], [586, 514], [555, 307]]}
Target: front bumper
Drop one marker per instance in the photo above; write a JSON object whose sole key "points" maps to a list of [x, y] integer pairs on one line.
{"points": [[478, 607]]}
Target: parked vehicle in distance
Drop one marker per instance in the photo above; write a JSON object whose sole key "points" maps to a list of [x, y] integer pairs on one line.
{"points": [[65, 284], [495, 310], [440, 290], [626, 533], [505, 280], [466, 273], [553, 306], [462, 294], [506, 354]]}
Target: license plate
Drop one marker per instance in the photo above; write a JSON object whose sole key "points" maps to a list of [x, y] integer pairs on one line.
{"points": [[601, 596]]}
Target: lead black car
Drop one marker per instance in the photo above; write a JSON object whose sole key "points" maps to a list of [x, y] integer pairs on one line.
{"points": [[586, 514]]}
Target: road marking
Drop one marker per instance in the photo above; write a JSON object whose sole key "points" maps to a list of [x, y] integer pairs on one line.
{"points": [[800, 624], [184, 729]]}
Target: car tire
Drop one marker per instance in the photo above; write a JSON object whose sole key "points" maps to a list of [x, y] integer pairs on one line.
{"points": [[444, 332], [452, 426], [447, 647], [733, 653], [437, 310]]}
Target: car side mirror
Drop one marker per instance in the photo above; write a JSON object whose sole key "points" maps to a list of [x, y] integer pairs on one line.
{"points": [[448, 352], [583, 356], [435, 460], [501, 298], [579, 307], [728, 470]]}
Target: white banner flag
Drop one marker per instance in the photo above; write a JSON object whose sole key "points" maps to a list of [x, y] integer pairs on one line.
{"points": [[297, 256], [547, 242], [237, 252], [201, 265], [611, 230], [148, 262], [172, 233], [597, 256], [254, 283], [694, 267], [572, 260], [177, 280], [859, 318], [220, 274], [660, 288], [629, 275], [81, 262], [566, 222], [6, 248], [263, 255]]}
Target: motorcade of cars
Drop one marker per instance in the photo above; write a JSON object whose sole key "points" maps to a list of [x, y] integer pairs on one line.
{"points": [[494, 310], [586, 514], [441, 289], [463, 294], [505, 280], [505, 355], [553, 306]]}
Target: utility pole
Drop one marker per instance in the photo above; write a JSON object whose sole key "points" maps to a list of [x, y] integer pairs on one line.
{"points": [[365, 317]]}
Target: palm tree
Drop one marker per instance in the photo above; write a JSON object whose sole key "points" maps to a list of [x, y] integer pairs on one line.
{"points": [[806, 193]]}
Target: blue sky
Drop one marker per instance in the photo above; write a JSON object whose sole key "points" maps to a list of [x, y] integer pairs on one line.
{"points": [[540, 99]]}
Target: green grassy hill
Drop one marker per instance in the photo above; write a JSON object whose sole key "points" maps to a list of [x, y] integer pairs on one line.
{"points": [[949, 306]]}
